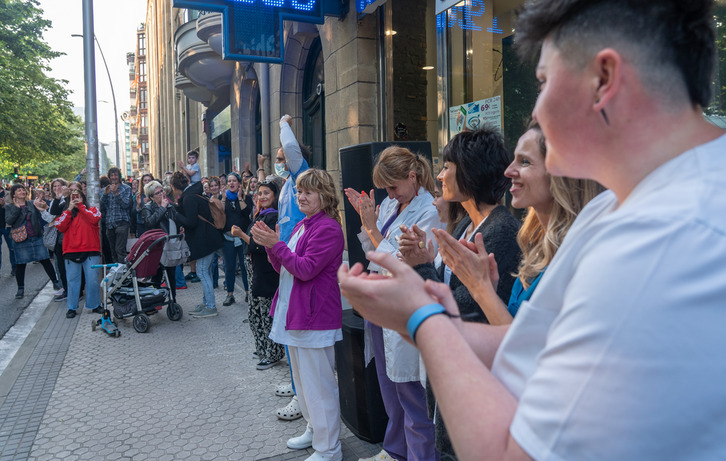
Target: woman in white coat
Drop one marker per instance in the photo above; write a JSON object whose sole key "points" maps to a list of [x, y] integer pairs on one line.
{"points": [[408, 179]]}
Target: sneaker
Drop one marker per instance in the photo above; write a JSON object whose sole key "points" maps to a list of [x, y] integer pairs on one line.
{"points": [[284, 390], [58, 292], [228, 301], [190, 276], [197, 309], [317, 456], [381, 456], [61, 297], [70, 314], [195, 279], [303, 441], [206, 313], [20, 293], [265, 364], [97, 310], [290, 412]]}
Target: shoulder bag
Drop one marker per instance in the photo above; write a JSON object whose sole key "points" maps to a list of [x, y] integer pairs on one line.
{"points": [[176, 251]]}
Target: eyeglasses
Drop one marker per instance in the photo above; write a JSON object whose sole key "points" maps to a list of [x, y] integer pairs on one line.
{"points": [[159, 191]]}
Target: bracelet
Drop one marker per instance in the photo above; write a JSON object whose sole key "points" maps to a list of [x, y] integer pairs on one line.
{"points": [[421, 314], [260, 169]]}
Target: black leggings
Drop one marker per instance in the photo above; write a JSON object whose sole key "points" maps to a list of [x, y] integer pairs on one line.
{"points": [[47, 265]]}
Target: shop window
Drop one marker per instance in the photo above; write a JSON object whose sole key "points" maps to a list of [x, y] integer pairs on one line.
{"points": [[485, 82]]}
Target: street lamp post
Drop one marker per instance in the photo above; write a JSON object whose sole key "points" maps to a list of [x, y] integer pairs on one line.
{"points": [[89, 77], [113, 96]]}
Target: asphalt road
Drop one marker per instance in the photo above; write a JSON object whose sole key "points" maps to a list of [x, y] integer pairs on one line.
{"points": [[11, 308]]}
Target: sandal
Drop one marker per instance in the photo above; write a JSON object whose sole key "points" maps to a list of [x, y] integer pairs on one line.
{"points": [[284, 390], [291, 412]]}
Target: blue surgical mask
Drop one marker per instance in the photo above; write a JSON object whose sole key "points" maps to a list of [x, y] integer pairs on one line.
{"points": [[280, 170]]}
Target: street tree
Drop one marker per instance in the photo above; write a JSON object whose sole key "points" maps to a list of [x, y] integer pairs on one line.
{"points": [[37, 124]]}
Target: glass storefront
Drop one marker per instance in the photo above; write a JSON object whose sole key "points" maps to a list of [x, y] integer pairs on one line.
{"points": [[481, 78]]}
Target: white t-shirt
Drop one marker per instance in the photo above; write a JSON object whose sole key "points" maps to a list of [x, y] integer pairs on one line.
{"points": [[197, 176], [620, 354]]}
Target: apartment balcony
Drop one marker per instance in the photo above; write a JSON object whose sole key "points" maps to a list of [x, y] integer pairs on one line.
{"points": [[192, 91], [209, 29], [201, 65]]}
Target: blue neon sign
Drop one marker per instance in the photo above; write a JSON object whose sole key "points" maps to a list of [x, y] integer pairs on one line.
{"points": [[466, 18], [253, 28]]}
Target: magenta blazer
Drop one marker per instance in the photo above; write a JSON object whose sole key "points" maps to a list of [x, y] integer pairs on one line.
{"points": [[315, 302]]}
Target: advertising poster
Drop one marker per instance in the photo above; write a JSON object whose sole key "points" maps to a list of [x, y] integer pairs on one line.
{"points": [[475, 114]]}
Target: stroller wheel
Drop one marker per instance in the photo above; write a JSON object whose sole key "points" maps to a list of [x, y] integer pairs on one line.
{"points": [[141, 323], [174, 312]]}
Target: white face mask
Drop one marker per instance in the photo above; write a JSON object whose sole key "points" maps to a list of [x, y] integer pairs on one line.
{"points": [[280, 170]]}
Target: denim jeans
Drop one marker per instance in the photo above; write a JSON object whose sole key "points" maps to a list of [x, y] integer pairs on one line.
{"points": [[231, 253], [179, 275], [204, 266], [73, 275], [6, 232]]}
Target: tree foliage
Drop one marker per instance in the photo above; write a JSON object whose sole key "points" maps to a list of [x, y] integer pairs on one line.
{"points": [[718, 104], [37, 125]]}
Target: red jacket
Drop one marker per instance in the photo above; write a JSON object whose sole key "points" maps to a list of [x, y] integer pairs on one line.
{"points": [[80, 234]]}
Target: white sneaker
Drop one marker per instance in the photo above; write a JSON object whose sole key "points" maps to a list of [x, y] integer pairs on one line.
{"points": [[59, 292], [320, 457], [382, 456], [303, 441], [284, 390], [290, 412]]}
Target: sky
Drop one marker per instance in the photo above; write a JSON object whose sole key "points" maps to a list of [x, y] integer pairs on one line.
{"points": [[115, 25]]}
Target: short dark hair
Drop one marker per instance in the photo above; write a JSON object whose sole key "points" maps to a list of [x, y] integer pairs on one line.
{"points": [[103, 181], [14, 189], [116, 170], [179, 180], [480, 158], [193, 152], [670, 42]]}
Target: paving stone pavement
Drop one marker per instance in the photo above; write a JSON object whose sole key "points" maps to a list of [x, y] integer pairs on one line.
{"points": [[183, 390]]}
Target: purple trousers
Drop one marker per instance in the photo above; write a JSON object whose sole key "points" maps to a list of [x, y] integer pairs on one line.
{"points": [[410, 432]]}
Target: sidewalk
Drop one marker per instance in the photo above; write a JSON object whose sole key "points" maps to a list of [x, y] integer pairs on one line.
{"points": [[184, 390]]}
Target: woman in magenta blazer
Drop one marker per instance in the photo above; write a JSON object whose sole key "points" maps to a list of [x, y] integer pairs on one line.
{"points": [[307, 310]]}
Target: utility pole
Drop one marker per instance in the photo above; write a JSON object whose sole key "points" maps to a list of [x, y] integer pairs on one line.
{"points": [[89, 76]]}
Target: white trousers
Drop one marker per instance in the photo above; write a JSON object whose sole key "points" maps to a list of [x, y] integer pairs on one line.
{"points": [[317, 393]]}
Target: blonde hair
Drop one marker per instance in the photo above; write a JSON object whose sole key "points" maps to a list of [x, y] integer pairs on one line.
{"points": [[150, 188], [539, 245], [395, 163], [320, 181]]}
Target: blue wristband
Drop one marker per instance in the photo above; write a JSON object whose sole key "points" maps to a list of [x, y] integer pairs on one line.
{"points": [[421, 314]]}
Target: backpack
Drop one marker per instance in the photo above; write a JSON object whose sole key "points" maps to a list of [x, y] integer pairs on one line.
{"points": [[216, 208]]}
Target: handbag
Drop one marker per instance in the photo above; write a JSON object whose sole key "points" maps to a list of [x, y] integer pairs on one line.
{"points": [[176, 251], [19, 234], [50, 237]]}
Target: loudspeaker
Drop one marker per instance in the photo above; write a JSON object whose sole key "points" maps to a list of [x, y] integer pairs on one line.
{"points": [[356, 165], [361, 405]]}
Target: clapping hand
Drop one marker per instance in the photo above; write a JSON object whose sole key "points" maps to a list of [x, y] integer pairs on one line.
{"points": [[469, 261], [265, 236], [413, 247]]}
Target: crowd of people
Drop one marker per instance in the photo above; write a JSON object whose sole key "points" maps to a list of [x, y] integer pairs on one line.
{"points": [[587, 329]]}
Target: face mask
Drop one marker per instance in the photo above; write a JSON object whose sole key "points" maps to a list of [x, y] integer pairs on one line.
{"points": [[280, 170]]}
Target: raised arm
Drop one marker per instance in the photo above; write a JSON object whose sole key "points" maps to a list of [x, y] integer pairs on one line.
{"points": [[293, 153]]}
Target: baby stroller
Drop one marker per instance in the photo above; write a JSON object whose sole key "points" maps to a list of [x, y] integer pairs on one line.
{"points": [[132, 297]]}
